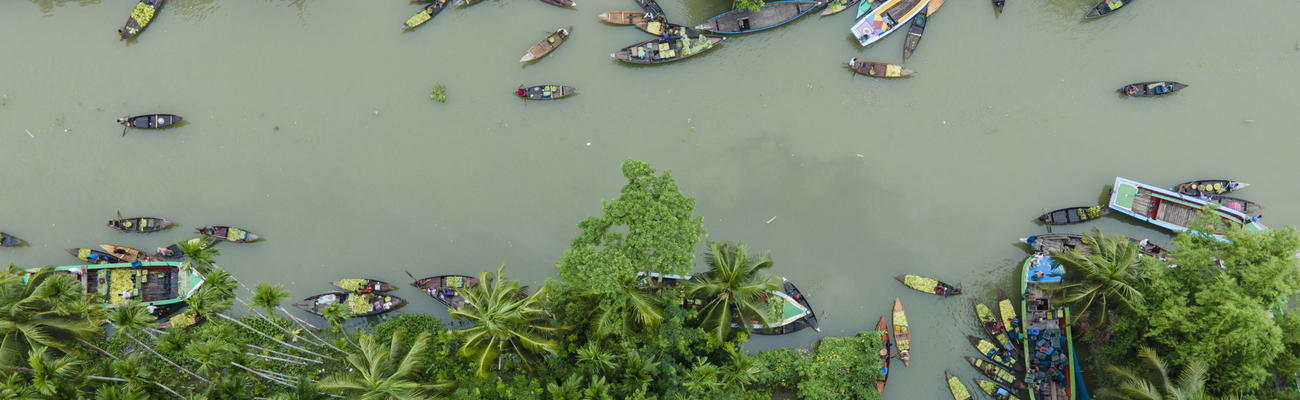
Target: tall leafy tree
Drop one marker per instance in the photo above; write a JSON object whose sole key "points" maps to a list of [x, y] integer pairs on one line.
{"points": [[626, 312], [505, 321], [269, 296], [40, 311], [132, 317], [733, 289], [1190, 384], [199, 252], [383, 371], [1106, 276]]}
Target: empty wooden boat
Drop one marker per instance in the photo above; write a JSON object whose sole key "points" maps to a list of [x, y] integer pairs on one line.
{"points": [[1171, 210], [149, 121], [361, 305], [229, 234], [1209, 187], [796, 313], [836, 6], [658, 51], [139, 224], [1243, 205], [141, 16], [126, 254], [958, 389], [652, 9], [933, 7], [93, 256], [1073, 215], [362, 285], [928, 285], [446, 288], [885, 340], [658, 28], [1151, 89], [622, 17], [544, 92], [425, 14], [770, 15], [879, 69], [154, 284], [7, 240], [1049, 242], [547, 45], [886, 19], [1106, 7], [902, 333], [914, 35], [561, 3]]}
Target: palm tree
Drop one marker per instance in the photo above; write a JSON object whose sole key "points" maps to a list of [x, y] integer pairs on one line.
{"points": [[219, 280], [269, 296], [629, 310], [335, 314], [199, 253], [1190, 384], [132, 317], [41, 311], [735, 285], [384, 371], [505, 320], [1106, 275]]}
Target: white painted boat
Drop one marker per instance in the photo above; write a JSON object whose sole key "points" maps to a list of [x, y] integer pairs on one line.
{"points": [[885, 19]]}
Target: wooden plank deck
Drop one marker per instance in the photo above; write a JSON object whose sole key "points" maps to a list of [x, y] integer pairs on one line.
{"points": [[1142, 202]]}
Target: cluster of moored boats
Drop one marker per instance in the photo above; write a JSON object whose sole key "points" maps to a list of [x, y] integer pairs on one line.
{"points": [[369, 297], [1171, 209]]}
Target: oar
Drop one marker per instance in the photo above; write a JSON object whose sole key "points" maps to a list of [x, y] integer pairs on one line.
{"points": [[124, 130]]}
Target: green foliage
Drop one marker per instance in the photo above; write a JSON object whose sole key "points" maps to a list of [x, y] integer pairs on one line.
{"points": [[844, 368], [752, 5], [505, 320], [782, 367], [269, 296], [1189, 386], [1107, 276], [379, 370], [733, 288], [48, 310], [200, 253], [439, 93]]}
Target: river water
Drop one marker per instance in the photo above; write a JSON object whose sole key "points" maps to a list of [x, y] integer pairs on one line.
{"points": [[309, 122]]}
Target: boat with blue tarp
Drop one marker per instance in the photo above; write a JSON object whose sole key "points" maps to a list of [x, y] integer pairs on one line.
{"points": [[1049, 348]]}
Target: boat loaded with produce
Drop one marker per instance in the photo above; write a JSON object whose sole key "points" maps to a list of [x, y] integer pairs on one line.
{"points": [[140, 17], [362, 285], [1073, 215], [958, 389], [658, 51], [1048, 345], [885, 356], [902, 333], [929, 285], [361, 305], [151, 283], [446, 288]]}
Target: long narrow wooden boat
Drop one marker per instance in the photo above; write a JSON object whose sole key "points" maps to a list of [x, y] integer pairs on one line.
{"points": [[229, 234], [149, 121], [126, 254], [902, 333], [547, 45], [1243, 205], [883, 327], [1170, 210], [914, 35], [652, 9], [467, 3], [1007, 313], [1073, 215], [933, 6], [7, 240], [994, 353], [622, 17], [425, 14], [544, 92], [835, 6], [362, 305], [1209, 187], [993, 327], [658, 28], [794, 311], [886, 19], [1049, 242], [772, 14], [1106, 7], [864, 7], [1048, 338], [561, 3], [997, 6], [93, 256], [1151, 89], [928, 285], [362, 285], [994, 390], [958, 389], [152, 283], [878, 69], [173, 251], [998, 374], [658, 51], [139, 224], [446, 288], [141, 16]]}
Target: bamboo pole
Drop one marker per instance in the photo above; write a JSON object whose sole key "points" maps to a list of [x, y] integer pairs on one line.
{"points": [[101, 351], [311, 331], [261, 375], [295, 362], [228, 318], [277, 326], [146, 347], [280, 353]]}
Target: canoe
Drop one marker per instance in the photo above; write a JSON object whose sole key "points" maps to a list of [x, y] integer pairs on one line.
{"points": [[126, 254], [7, 240], [1171, 210], [772, 14], [622, 17], [994, 390], [362, 305], [1048, 334], [1209, 186], [652, 9], [1243, 205], [139, 224], [928, 285], [1106, 7], [864, 7], [154, 284], [547, 45], [883, 327], [933, 6], [425, 14], [443, 288], [997, 6], [993, 327], [658, 51], [149, 121], [561, 3], [1007, 313], [886, 19], [902, 334], [999, 356], [878, 69], [140, 17], [1049, 242], [1073, 215], [466, 3], [229, 234], [544, 92], [958, 389], [362, 285], [835, 6], [998, 374], [173, 251], [914, 35], [795, 314], [657, 28], [1151, 89], [93, 256]]}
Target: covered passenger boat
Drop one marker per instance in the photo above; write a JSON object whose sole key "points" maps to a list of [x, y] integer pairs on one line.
{"points": [[1171, 210], [151, 283]]}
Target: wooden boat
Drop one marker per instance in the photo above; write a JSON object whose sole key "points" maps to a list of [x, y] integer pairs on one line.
{"points": [[561, 3], [878, 69], [883, 327], [445, 288], [658, 28], [997, 6], [1073, 215], [770, 15], [362, 285], [928, 285], [864, 7], [1151, 89], [362, 305], [149, 121], [886, 19], [998, 374], [466, 3], [1048, 339], [958, 389], [1243, 205], [1209, 187], [795, 312], [622, 17], [425, 14], [229, 234], [991, 351], [993, 327], [835, 6], [652, 9], [1170, 210], [139, 224], [155, 284], [902, 333], [173, 251], [658, 51], [994, 390], [126, 254], [140, 17], [1049, 242], [93, 256], [933, 6], [547, 45], [1106, 7], [544, 92], [914, 35], [7, 240], [1011, 322]]}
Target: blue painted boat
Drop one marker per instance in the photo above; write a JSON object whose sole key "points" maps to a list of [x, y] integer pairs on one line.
{"points": [[1049, 343], [886, 19], [772, 14], [1169, 209]]}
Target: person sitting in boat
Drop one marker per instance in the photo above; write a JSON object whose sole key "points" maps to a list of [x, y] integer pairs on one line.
{"points": [[1001, 393], [905, 355], [448, 292], [521, 92]]}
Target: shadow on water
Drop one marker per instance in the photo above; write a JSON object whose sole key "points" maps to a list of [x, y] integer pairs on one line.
{"points": [[195, 10], [47, 6]]}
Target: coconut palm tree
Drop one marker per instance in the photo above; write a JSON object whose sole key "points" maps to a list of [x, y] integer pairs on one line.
{"points": [[384, 370], [133, 317], [505, 321], [335, 314], [629, 310], [41, 311], [734, 286], [1190, 384], [1106, 276], [269, 296], [199, 253]]}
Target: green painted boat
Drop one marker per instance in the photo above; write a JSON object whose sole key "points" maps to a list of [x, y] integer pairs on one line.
{"points": [[864, 7], [151, 283], [1046, 321]]}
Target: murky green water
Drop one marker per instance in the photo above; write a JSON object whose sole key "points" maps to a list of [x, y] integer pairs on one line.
{"points": [[310, 123]]}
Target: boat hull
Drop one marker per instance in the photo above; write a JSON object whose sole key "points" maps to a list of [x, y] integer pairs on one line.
{"points": [[771, 15], [7, 240], [425, 14], [1073, 215], [155, 284], [374, 304], [622, 17], [141, 16], [1106, 7], [886, 19], [229, 234], [659, 51], [902, 333], [879, 69], [1151, 89], [1168, 209], [445, 288], [547, 44]]}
